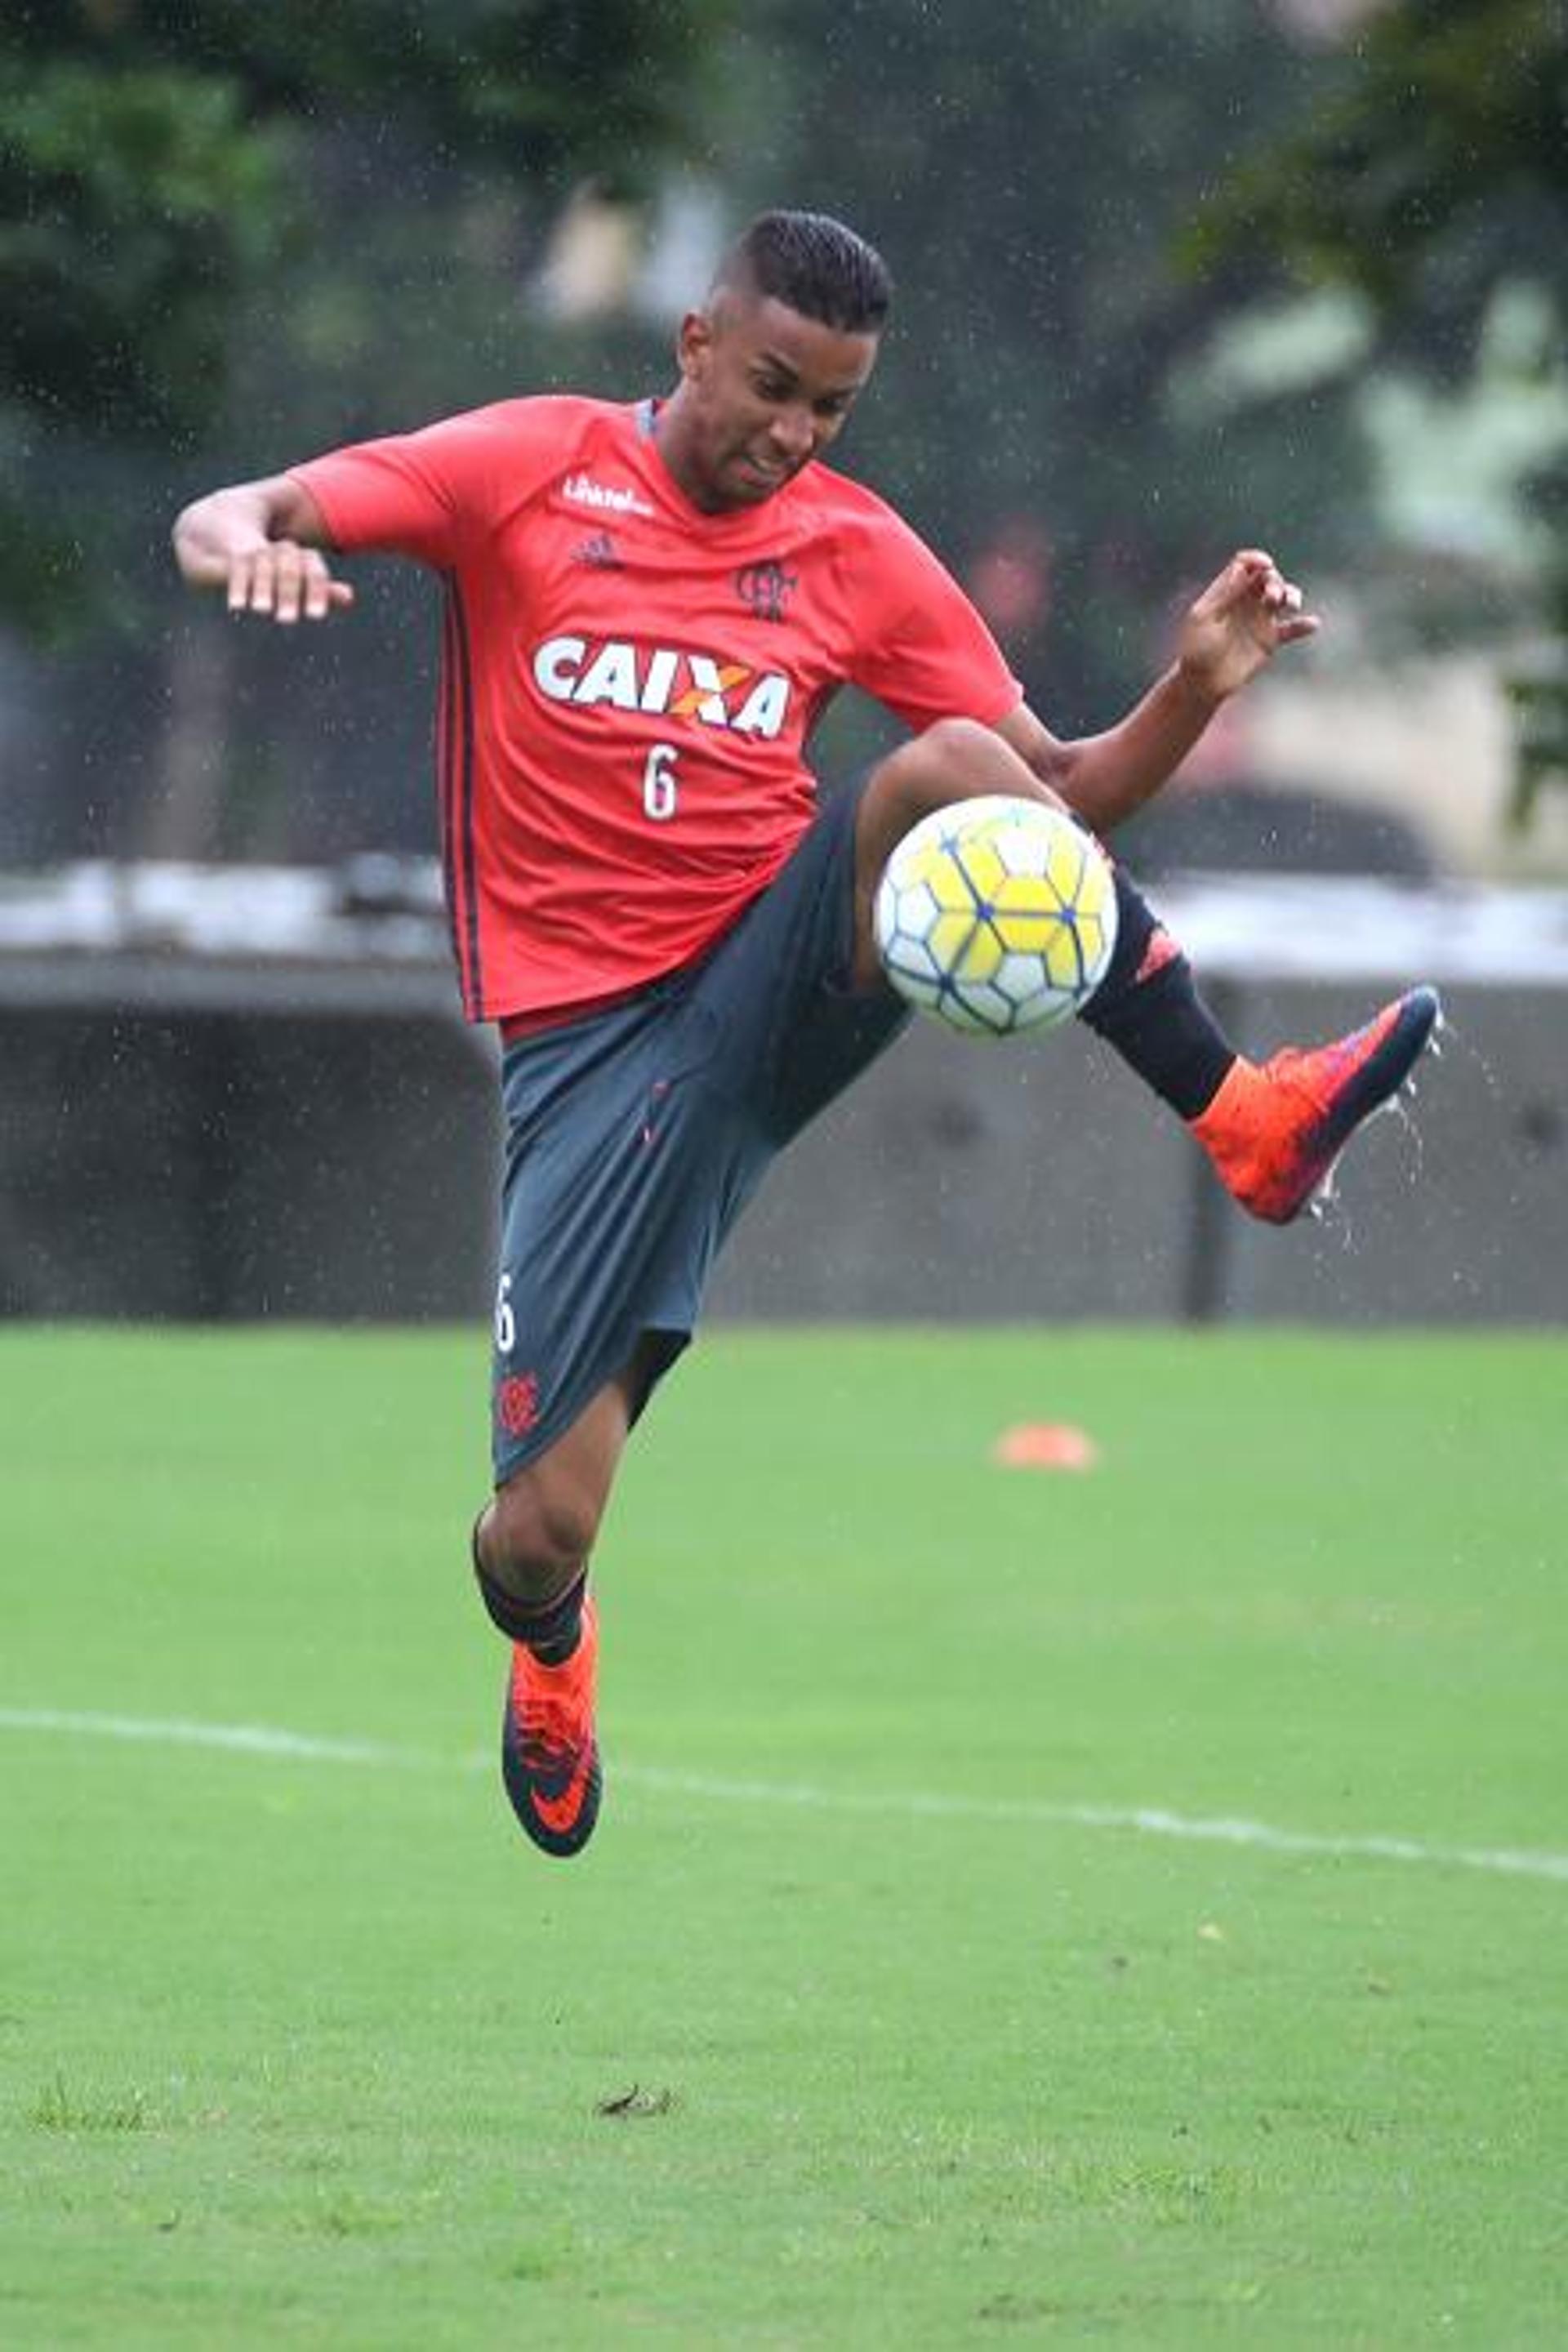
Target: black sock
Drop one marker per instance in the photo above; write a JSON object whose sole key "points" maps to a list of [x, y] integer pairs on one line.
{"points": [[1148, 1008], [550, 1629]]}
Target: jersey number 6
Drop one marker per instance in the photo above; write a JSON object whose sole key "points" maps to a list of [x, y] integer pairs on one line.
{"points": [[658, 782]]}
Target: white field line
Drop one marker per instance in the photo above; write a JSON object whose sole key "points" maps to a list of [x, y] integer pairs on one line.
{"points": [[1151, 1821]]}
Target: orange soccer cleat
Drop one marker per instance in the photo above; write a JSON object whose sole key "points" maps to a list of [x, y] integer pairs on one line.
{"points": [[550, 1755], [1275, 1130]]}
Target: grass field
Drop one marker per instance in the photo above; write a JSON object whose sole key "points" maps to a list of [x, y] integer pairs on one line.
{"points": [[1030, 1907]]}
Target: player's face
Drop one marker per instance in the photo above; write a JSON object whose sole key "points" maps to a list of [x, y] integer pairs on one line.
{"points": [[763, 392]]}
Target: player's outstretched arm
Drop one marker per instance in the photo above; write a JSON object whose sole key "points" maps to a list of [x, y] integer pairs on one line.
{"points": [[260, 545], [1237, 624]]}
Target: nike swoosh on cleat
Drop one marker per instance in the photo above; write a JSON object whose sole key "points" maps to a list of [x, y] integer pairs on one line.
{"points": [[561, 1813]]}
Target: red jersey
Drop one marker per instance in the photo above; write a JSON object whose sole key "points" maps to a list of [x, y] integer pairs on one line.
{"points": [[627, 683]]}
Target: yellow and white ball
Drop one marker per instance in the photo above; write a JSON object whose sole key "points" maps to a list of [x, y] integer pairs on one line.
{"points": [[996, 916]]}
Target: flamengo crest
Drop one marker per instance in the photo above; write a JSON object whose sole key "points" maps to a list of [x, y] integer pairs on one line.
{"points": [[766, 588]]}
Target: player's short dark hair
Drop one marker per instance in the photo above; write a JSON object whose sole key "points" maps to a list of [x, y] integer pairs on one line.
{"points": [[815, 266]]}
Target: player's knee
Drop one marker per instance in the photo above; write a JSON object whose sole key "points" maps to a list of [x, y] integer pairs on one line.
{"points": [[953, 759], [956, 746], [950, 759], [540, 1531]]}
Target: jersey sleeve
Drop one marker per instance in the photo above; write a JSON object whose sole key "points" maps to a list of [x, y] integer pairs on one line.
{"points": [[430, 494], [925, 650]]}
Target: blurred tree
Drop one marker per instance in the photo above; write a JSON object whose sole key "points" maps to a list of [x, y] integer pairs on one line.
{"points": [[1433, 166], [1028, 172], [157, 159], [1432, 176]]}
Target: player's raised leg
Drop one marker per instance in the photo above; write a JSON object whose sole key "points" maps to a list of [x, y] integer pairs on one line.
{"points": [[1273, 1131]]}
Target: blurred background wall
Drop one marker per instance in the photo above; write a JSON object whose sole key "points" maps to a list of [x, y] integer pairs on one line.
{"points": [[1288, 271]]}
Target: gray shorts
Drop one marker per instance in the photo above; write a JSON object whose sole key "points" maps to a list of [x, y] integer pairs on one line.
{"points": [[634, 1138]]}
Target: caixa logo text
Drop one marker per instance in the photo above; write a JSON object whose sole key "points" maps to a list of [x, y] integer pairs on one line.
{"points": [[665, 679]]}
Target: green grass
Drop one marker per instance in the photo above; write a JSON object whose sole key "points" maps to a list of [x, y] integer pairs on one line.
{"points": [[861, 2039]]}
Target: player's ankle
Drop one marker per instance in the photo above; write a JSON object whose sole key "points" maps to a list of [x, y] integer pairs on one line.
{"points": [[550, 1629], [1234, 1095]]}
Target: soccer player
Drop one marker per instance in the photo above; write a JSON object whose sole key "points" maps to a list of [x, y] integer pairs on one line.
{"points": [[646, 606]]}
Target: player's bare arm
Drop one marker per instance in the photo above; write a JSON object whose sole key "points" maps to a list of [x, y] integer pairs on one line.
{"points": [[261, 544], [1239, 624]]}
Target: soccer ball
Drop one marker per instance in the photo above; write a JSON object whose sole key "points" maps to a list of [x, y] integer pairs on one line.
{"points": [[996, 915]]}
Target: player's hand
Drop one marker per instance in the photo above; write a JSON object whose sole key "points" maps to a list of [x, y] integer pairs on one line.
{"points": [[1240, 622], [284, 581]]}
